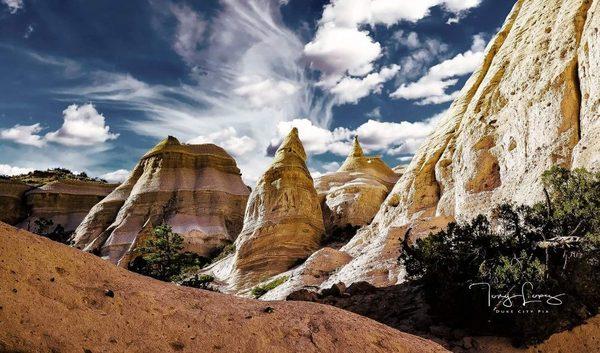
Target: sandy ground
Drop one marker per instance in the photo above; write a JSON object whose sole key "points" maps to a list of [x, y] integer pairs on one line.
{"points": [[57, 299]]}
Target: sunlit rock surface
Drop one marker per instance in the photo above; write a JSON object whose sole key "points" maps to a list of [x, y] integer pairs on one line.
{"points": [[64, 202], [352, 195], [532, 104], [283, 224], [196, 189]]}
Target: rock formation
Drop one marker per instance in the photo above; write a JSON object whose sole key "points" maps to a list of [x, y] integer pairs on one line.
{"points": [[56, 299], [64, 202], [352, 195], [12, 206], [533, 103], [283, 224], [197, 189]]}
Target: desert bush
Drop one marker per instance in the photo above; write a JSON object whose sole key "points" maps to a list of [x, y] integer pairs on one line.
{"points": [[550, 248], [162, 256], [46, 228], [197, 281], [261, 290]]}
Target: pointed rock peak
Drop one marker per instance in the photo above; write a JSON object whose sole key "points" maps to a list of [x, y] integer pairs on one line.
{"points": [[356, 151], [170, 140], [292, 144]]}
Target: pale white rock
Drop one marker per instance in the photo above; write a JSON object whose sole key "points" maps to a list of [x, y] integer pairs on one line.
{"points": [[532, 104]]}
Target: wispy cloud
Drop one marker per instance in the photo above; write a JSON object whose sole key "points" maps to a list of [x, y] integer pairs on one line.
{"points": [[13, 5]]}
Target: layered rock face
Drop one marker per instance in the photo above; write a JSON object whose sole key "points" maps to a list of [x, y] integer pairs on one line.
{"points": [[64, 202], [12, 205], [533, 103], [196, 189], [352, 195], [283, 222], [56, 299]]}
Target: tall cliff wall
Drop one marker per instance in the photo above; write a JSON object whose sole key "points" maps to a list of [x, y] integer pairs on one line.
{"points": [[533, 103], [197, 189]]}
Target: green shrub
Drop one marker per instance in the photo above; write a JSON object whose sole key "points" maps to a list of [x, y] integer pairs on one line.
{"points": [[261, 290], [46, 228], [198, 281], [552, 245], [162, 256], [225, 251]]}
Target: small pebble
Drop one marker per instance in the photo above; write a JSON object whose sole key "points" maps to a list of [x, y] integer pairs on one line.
{"points": [[109, 293], [269, 310]]}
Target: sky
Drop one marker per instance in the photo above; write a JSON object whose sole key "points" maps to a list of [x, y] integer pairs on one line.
{"points": [[90, 85]]}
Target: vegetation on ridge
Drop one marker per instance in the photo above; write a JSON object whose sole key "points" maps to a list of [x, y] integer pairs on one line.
{"points": [[528, 272], [261, 290], [39, 177]]}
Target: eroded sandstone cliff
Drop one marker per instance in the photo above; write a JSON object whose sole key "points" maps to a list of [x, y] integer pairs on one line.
{"points": [[352, 196], [283, 222], [196, 189], [12, 205], [64, 202], [533, 103]]}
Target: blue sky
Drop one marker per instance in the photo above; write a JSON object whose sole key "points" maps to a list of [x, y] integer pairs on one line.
{"points": [[91, 85]]}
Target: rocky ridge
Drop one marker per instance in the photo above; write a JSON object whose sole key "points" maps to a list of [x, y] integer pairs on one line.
{"points": [[283, 223], [196, 189], [532, 104], [352, 196]]}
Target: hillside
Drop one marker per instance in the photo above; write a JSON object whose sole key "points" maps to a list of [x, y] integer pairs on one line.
{"points": [[57, 299]]}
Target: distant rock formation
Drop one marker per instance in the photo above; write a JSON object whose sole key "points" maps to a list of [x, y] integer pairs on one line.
{"points": [[57, 299], [61, 202], [352, 195], [64, 202], [283, 222], [197, 189], [12, 205], [533, 103]]}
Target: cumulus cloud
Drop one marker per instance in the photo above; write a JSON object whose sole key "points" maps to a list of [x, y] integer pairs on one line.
{"points": [[228, 139], [116, 177], [352, 89], [343, 46], [13, 5], [432, 88], [82, 126], [392, 138], [9, 170], [24, 134]]}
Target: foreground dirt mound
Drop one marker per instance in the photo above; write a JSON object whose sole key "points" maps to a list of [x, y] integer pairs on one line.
{"points": [[57, 299], [404, 307]]}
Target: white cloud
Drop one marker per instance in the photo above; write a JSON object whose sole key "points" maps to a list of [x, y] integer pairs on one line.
{"points": [[331, 166], [190, 32], [336, 51], [375, 113], [352, 89], [82, 126], [264, 92], [116, 177], [13, 5], [24, 134], [410, 40], [431, 88], [8, 170], [392, 138], [342, 45], [228, 139]]}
